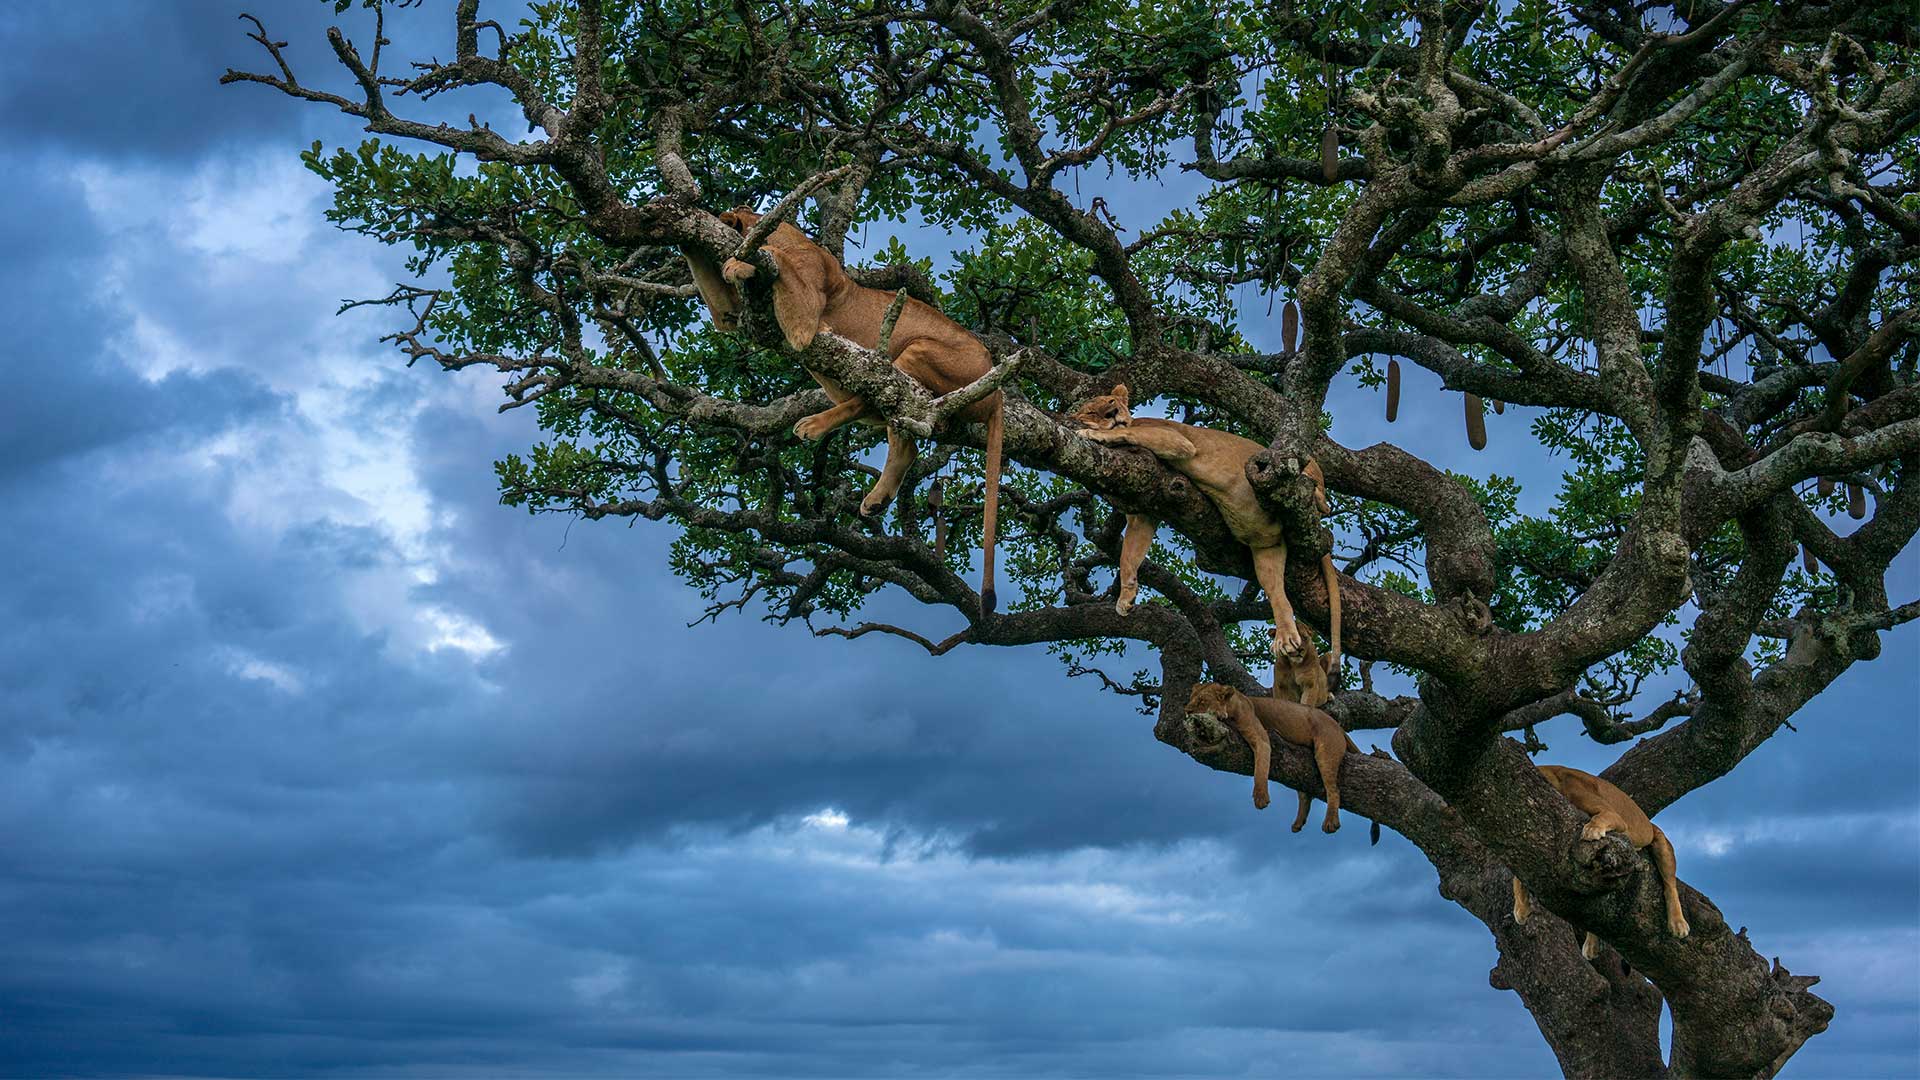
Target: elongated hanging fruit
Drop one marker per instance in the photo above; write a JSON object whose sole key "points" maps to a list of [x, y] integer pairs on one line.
{"points": [[1826, 486], [1856, 502], [1499, 407], [1330, 155], [1807, 560], [1393, 390], [1290, 327], [1476, 422]]}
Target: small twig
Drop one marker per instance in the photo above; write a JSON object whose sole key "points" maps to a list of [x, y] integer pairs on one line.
{"points": [[784, 209], [899, 304]]}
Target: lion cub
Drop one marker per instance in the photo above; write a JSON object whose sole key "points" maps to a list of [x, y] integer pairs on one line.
{"points": [[1217, 462], [1302, 677], [1611, 811], [1253, 718]]}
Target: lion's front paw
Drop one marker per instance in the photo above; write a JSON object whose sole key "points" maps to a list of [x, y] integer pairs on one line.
{"points": [[736, 270], [874, 501], [1331, 824], [1593, 830], [1521, 912], [1286, 642], [1677, 925], [1590, 948], [811, 428], [1124, 603], [1260, 799]]}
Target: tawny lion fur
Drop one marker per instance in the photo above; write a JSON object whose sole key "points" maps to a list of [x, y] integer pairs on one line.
{"points": [[1610, 811], [1298, 724], [1303, 676], [1217, 462], [813, 293]]}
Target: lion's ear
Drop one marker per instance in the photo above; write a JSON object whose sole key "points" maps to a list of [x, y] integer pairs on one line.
{"points": [[1120, 391]]}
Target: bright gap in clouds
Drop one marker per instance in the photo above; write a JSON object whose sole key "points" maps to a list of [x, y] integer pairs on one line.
{"points": [[341, 456]]}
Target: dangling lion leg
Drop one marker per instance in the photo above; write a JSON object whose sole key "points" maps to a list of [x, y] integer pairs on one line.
{"points": [[1328, 753], [1522, 909], [901, 454], [1134, 545], [1663, 861], [1252, 730], [1306, 807], [1270, 566]]}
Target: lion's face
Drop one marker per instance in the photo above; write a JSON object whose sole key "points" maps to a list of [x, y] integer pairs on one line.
{"points": [[1105, 412], [739, 219], [1211, 698]]}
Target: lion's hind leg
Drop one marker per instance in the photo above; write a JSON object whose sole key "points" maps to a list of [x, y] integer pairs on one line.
{"points": [[1663, 861], [1328, 751], [901, 454], [1522, 908], [1134, 545]]}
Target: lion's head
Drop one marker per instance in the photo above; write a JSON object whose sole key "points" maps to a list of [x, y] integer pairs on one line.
{"points": [[1212, 698], [739, 219], [1106, 411]]}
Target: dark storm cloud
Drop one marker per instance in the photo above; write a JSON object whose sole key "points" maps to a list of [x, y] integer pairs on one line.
{"points": [[125, 79]]}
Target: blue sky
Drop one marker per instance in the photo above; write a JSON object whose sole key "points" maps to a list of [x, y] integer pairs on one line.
{"points": [[315, 760]]}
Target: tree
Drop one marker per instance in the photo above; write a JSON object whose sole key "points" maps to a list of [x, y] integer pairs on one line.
{"points": [[1687, 234]]}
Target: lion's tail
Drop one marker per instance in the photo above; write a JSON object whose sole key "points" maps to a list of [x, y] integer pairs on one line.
{"points": [[1333, 613], [990, 523]]}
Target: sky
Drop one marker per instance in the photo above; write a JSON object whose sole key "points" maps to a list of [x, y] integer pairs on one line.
{"points": [[317, 761]]}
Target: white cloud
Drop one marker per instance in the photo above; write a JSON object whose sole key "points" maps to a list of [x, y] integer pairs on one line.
{"points": [[1822, 830], [827, 819], [248, 665], [343, 453]]}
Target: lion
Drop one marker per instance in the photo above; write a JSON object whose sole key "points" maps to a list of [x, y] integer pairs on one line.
{"points": [[1217, 462], [1610, 811], [811, 294], [1298, 724], [1303, 676]]}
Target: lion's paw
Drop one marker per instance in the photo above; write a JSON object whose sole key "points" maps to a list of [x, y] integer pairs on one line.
{"points": [[1286, 642], [1331, 825], [1593, 830], [1677, 925], [736, 270], [811, 428]]}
